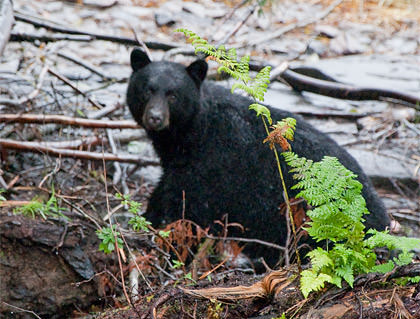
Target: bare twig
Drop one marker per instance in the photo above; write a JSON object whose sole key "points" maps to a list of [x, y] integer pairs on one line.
{"points": [[104, 111], [74, 144], [118, 172], [84, 64], [249, 240], [21, 310], [74, 87], [67, 120], [36, 147], [239, 25], [80, 211], [133, 259]]}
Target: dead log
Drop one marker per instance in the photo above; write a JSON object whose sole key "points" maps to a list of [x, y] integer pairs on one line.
{"points": [[338, 90], [53, 266]]}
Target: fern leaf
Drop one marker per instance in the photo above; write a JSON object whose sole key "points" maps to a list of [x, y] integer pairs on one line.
{"points": [[319, 259], [261, 110], [311, 281]]}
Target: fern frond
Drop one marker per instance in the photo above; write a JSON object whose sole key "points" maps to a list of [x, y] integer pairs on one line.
{"points": [[242, 86], [261, 110], [311, 281], [260, 82], [319, 259]]}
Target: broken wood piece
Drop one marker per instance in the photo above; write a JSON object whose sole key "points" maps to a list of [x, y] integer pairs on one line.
{"points": [[270, 285], [67, 120], [36, 147]]}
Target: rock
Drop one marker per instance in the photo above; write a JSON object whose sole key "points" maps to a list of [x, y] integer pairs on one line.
{"points": [[346, 44], [327, 31], [316, 47], [163, 19], [383, 167]]}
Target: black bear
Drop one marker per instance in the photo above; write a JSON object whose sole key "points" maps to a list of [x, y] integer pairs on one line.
{"points": [[211, 148]]}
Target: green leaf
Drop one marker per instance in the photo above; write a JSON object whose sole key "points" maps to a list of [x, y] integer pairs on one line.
{"points": [[319, 259], [261, 110], [177, 264], [310, 281], [383, 268], [164, 234]]}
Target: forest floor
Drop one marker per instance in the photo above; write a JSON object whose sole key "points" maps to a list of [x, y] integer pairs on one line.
{"points": [[65, 172]]}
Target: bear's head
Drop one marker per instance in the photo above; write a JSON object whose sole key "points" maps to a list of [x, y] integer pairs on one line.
{"points": [[164, 95]]}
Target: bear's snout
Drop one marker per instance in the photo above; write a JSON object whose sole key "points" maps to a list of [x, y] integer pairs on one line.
{"points": [[156, 116]]}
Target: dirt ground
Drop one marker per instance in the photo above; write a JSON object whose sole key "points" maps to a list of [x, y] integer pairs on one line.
{"points": [[50, 265]]}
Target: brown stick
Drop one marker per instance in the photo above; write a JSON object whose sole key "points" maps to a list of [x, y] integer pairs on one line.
{"points": [[35, 147], [66, 120]]}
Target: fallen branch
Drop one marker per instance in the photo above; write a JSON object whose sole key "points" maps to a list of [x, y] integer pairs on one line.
{"points": [[270, 285], [315, 81], [67, 120], [75, 144], [37, 147], [338, 90], [28, 37], [42, 23]]}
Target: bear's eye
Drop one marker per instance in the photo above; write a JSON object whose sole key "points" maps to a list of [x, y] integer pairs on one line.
{"points": [[171, 98], [147, 93]]}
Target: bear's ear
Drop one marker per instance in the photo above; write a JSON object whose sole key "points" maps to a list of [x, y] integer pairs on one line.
{"points": [[197, 71], [139, 59]]}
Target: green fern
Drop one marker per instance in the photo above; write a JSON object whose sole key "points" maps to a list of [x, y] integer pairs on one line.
{"points": [[337, 218]]}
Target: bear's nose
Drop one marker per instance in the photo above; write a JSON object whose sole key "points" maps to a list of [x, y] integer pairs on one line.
{"points": [[154, 119]]}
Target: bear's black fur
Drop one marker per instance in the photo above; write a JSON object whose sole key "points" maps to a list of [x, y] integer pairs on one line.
{"points": [[210, 146]]}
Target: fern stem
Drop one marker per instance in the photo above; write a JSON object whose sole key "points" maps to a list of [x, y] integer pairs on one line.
{"points": [[287, 200]]}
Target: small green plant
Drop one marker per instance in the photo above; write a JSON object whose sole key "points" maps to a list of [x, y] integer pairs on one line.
{"points": [[164, 234], [177, 264], [189, 277], [137, 222], [215, 309], [110, 237], [133, 206], [2, 198], [337, 220], [37, 208]]}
